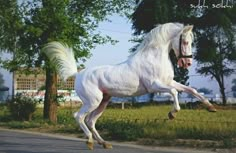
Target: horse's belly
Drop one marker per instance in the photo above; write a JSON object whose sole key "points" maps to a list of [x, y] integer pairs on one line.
{"points": [[123, 88], [126, 92]]}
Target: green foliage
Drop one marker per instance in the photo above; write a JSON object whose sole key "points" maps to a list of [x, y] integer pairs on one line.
{"points": [[216, 51], [22, 107], [28, 25], [215, 54], [158, 12], [4, 113], [215, 43], [9, 24]]}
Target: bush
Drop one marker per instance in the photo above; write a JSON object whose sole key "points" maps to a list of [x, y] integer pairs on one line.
{"points": [[22, 107]]}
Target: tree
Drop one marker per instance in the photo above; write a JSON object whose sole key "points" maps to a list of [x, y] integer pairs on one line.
{"points": [[216, 48], [155, 12], [25, 27], [233, 88]]}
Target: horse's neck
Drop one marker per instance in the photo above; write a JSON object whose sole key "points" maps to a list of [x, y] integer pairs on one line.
{"points": [[153, 63], [152, 57], [160, 53]]}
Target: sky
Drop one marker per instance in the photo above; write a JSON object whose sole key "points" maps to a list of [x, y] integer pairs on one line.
{"points": [[120, 29]]}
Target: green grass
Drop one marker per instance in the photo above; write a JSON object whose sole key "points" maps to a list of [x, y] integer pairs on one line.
{"points": [[142, 123], [189, 124]]}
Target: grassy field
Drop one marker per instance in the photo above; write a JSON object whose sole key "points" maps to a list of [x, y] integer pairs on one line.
{"points": [[145, 124]]}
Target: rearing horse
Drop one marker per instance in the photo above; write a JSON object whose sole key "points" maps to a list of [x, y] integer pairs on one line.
{"points": [[148, 70]]}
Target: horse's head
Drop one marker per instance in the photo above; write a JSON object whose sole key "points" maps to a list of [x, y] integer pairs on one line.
{"points": [[182, 45]]}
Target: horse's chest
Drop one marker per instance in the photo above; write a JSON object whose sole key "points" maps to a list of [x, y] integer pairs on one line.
{"points": [[163, 73]]}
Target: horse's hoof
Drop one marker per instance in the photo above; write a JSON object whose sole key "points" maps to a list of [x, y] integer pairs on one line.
{"points": [[90, 145], [107, 145], [171, 116], [211, 109]]}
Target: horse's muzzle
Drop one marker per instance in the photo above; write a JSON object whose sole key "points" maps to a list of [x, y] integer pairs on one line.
{"points": [[185, 62]]}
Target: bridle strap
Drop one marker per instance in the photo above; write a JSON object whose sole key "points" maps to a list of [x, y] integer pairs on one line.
{"points": [[180, 50]]}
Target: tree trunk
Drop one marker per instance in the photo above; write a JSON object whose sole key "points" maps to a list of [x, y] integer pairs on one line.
{"points": [[222, 90], [223, 96], [50, 101]]}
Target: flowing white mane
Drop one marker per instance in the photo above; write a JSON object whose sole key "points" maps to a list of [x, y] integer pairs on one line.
{"points": [[160, 34]]}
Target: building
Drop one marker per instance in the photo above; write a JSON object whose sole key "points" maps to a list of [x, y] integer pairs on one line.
{"points": [[32, 83]]}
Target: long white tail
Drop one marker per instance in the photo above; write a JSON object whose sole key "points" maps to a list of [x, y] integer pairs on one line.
{"points": [[63, 57]]}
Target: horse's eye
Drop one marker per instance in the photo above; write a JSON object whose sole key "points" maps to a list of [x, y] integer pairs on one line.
{"points": [[185, 43]]}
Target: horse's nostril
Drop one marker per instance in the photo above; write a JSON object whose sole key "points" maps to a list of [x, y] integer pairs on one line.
{"points": [[189, 64]]}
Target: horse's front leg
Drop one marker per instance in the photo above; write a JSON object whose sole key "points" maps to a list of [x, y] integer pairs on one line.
{"points": [[159, 87], [192, 91]]}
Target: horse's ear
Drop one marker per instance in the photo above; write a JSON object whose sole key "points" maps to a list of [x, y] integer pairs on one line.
{"points": [[187, 28]]}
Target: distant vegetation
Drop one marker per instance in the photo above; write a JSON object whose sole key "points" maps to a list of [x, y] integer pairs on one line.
{"points": [[22, 107]]}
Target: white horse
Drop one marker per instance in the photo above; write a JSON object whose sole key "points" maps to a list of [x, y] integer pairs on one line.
{"points": [[148, 70]]}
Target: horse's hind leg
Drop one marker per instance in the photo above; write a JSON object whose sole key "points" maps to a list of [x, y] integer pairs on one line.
{"points": [[86, 109], [80, 116], [92, 118]]}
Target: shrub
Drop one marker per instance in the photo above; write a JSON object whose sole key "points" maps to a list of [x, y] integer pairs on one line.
{"points": [[22, 107]]}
